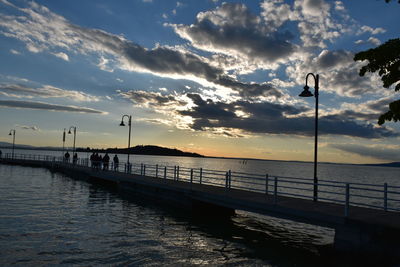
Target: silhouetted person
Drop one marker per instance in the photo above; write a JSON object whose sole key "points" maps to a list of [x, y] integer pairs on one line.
{"points": [[66, 156], [92, 160], [116, 162], [99, 161], [96, 161], [106, 160], [75, 158]]}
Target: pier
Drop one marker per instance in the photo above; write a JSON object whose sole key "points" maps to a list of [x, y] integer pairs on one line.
{"points": [[360, 226]]}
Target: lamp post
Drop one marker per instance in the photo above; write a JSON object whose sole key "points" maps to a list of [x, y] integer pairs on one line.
{"points": [[69, 132], [307, 93], [12, 132], [129, 137], [63, 142]]}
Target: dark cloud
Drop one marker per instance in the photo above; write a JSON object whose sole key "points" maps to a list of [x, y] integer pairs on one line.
{"points": [[377, 152], [369, 111], [43, 30], [151, 98], [232, 28], [273, 119], [47, 106], [168, 61], [330, 59]]}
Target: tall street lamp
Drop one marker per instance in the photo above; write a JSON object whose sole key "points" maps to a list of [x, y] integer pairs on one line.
{"points": [[69, 132], [307, 93], [129, 137], [12, 132], [63, 139]]}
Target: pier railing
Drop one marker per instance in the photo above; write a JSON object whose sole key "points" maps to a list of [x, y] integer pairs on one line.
{"points": [[376, 196]]}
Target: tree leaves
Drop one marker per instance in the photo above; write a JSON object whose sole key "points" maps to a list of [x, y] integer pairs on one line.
{"points": [[384, 59]]}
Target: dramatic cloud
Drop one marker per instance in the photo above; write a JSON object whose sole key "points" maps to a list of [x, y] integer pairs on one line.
{"points": [[274, 119], [368, 111], [43, 30], [47, 91], [244, 118], [151, 99], [382, 152], [231, 29], [47, 106], [338, 74], [316, 24]]}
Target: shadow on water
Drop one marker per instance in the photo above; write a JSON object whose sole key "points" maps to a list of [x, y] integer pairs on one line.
{"points": [[271, 243]]}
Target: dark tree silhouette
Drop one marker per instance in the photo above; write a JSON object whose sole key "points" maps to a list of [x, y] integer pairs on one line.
{"points": [[385, 59]]}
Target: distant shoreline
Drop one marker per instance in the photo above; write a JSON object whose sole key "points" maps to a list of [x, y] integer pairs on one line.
{"points": [[179, 153]]}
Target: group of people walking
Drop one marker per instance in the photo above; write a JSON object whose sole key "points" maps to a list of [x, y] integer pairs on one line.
{"points": [[99, 162], [96, 161]]}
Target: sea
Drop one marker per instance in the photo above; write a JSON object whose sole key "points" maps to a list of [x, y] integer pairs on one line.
{"points": [[50, 219]]}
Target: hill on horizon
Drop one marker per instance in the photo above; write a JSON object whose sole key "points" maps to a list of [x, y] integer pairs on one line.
{"points": [[147, 150]]}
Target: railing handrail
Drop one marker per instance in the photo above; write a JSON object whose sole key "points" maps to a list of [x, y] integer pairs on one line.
{"points": [[281, 185]]}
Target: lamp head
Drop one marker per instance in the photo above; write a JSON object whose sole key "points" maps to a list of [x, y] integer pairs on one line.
{"points": [[122, 123], [306, 92], [69, 131], [10, 133]]}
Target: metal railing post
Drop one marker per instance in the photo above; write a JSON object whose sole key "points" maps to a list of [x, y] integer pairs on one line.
{"points": [[144, 169], [174, 173], [177, 173], [347, 204], [226, 179], [276, 190], [266, 184], [165, 172], [191, 175], [385, 196], [125, 170], [201, 174], [156, 170], [230, 178]]}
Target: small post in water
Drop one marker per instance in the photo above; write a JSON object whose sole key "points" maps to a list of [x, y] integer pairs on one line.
{"points": [[266, 184], [347, 204], [385, 196]]}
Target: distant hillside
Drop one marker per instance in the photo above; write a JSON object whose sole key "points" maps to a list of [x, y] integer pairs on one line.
{"points": [[140, 150], [391, 164], [147, 150]]}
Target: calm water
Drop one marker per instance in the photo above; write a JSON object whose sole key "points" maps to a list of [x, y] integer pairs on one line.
{"points": [[51, 219]]}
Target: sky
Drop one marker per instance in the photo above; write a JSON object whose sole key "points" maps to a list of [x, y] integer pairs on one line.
{"points": [[220, 78]]}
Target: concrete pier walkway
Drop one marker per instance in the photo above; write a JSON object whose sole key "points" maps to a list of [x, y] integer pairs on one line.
{"points": [[362, 230]]}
